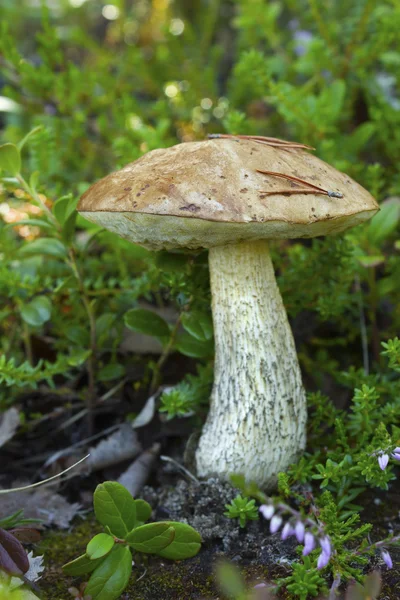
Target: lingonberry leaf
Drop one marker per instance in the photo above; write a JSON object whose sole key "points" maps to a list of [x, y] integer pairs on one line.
{"points": [[13, 558]]}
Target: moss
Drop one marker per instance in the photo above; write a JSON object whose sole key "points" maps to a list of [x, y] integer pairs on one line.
{"points": [[58, 548]]}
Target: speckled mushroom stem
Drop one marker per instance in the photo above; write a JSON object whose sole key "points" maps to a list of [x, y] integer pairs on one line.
{"points": [[257, 420]]}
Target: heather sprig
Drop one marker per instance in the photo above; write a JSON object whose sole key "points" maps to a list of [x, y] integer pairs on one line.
{"points": [[243, 509]]}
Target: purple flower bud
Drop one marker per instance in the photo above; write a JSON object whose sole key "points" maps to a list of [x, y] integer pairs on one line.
{"points": [[276, 522], [323, 560], [309, 543], [397, 450], [287, 531], [260, 585], [383, 460], [396, 455], [325, 544], [267, 511], [387, 559], [299, 531]]}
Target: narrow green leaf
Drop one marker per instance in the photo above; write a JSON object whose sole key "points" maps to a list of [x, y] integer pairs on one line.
{"points": [[10, 159], [64, 207], [187, 542], [111, 577], [114, 507], [146, 321], [151, 538], [30, 134], [35, 222], [81, 565], [230, 580], [371, 261], [47, 246], [37, 312], [384, 223], [100, 545]]}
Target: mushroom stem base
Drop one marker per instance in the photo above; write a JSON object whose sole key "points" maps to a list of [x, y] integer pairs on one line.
{"points": [[257, 419]]}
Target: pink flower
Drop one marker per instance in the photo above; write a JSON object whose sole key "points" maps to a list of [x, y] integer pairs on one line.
{"points": [[287, 531], [276, 522], [325, 544], [383, 460], [299, 531], [309, 543], [267, 511], [387, 559], [323, 560]]}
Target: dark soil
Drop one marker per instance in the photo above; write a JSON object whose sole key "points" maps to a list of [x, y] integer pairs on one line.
{"points": [[260, 556]]}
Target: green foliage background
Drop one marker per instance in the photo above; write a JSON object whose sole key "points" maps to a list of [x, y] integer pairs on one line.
{"points": [[105, 91]]}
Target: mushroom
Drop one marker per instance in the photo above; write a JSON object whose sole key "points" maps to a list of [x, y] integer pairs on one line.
{"points": [[207, 195]]}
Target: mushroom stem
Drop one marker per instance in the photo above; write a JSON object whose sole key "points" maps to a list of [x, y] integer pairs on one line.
{"points": [[257, 420]]}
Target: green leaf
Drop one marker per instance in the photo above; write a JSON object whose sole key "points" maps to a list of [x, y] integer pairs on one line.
{"points": [[114, 507], [151, 538], [111, 577], [37, 312], [36, 222], [64, 207], [384, 223], [10, 159], [146, 321], [99, 546], [81, 565], [187, 542], [143, 510], [30, 134], [111, 372], [171, 261], [46, 246], [230, 580], [371, 261], [198, 324], [190, 346]]}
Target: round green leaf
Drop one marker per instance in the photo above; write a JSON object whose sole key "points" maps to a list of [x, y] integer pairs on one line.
{"points": [[190, 346], [151, 538], [198, 324], [146, 321], [100, 545], [186, 543], [111, 372], [143, 510], [111, 577], [10, 159], [37, 312], [114, 507]]}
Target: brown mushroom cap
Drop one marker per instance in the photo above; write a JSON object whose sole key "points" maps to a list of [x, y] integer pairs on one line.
{"points": [[205, 194]]}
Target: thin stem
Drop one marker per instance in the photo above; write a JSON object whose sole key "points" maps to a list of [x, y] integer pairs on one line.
{"points": [[363, 327], [32, 192], [27, 342], [92, 360], [155, 381]]}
